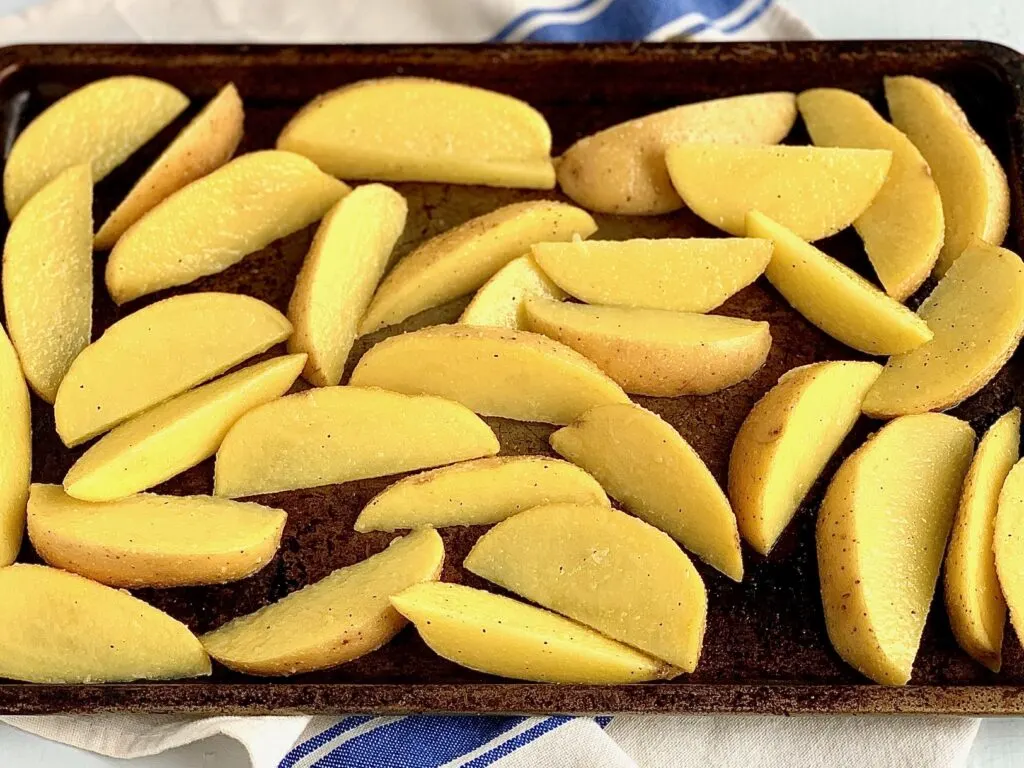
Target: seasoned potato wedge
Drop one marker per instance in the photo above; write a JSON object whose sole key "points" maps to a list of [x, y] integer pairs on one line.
{"points": [[814, 191], [1008, 545], [653, 351], [339, 618], [153, 541], [15, 451], [881, 534], [977, 315], [336, 434], [501, 636], [500, 300]]}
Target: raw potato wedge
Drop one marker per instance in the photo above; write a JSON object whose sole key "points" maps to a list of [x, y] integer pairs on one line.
{"points": [[153, 541], [15, 451], [47, 279], [903, 229], [481, 492], [605, 569], [834, 297], [218, 220], [881, 534], [814, 191], [972, 183], [417, 129], [459, 261], [786, 441], [501, 636], [622, 168], [61, 628], [500, 300], [339, 618], [1008, 545], [977, 315], [346, 261], [974, 600], [203, 146], [337, 434], [158, 352], [647, 466], [685, 275], [98, 125], [166, 440], [653, 351], [494, 371]]}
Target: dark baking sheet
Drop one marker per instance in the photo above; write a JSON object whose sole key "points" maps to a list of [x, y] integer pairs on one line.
{"points": [[766, 649]]}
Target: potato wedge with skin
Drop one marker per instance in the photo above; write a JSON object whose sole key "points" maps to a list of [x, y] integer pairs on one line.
{"points": [[499, 301], [203, 146], [622, 168], [684, 275], [166, 440], [647, 466], [153, 541], [1008, 545], [47, 279], [903, 228], [972, 183], [974, 600], [216, 221], [881, 534], [787, 439], [346, 261], [61, 628], [603, 568], [977, 315], [481, 492], [501, 636], [99, 125], [158, 352], [653, 351], [494, 371], [814, 191], [834, 297], [15, 451], [417, 129], [337, 434], [339, 618]]}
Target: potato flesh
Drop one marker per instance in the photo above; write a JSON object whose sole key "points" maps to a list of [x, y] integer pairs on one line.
{"points": [[15, 451], [332, 621], [1008, 545], [500, 300], [337, 434], [501, 636], [881, 534]]}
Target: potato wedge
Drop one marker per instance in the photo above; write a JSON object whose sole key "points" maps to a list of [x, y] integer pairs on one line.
{"points": [[814, 191], [346, 261], [622, 168], [166, 440], [15, 451], [903, 228], [834, 297], [1008, 545], [459, 261], [203, 146], [336, 434], [218, 220], [417, 129], [153, 541], [977, 315], [604, 569], [787, 439], [339, 618], [481, 492], [47, 279], [972, 183], [654, 473], [60, 628], [158, 352], [650, 274], [501, 636], [881, 534], [974, 600], [500, 300], [653, 351], [494, 371], [98, 125]]}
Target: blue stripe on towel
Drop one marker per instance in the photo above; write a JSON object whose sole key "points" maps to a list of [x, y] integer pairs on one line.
{"points": [[624, 20], [303, 749], [520, 740]]}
